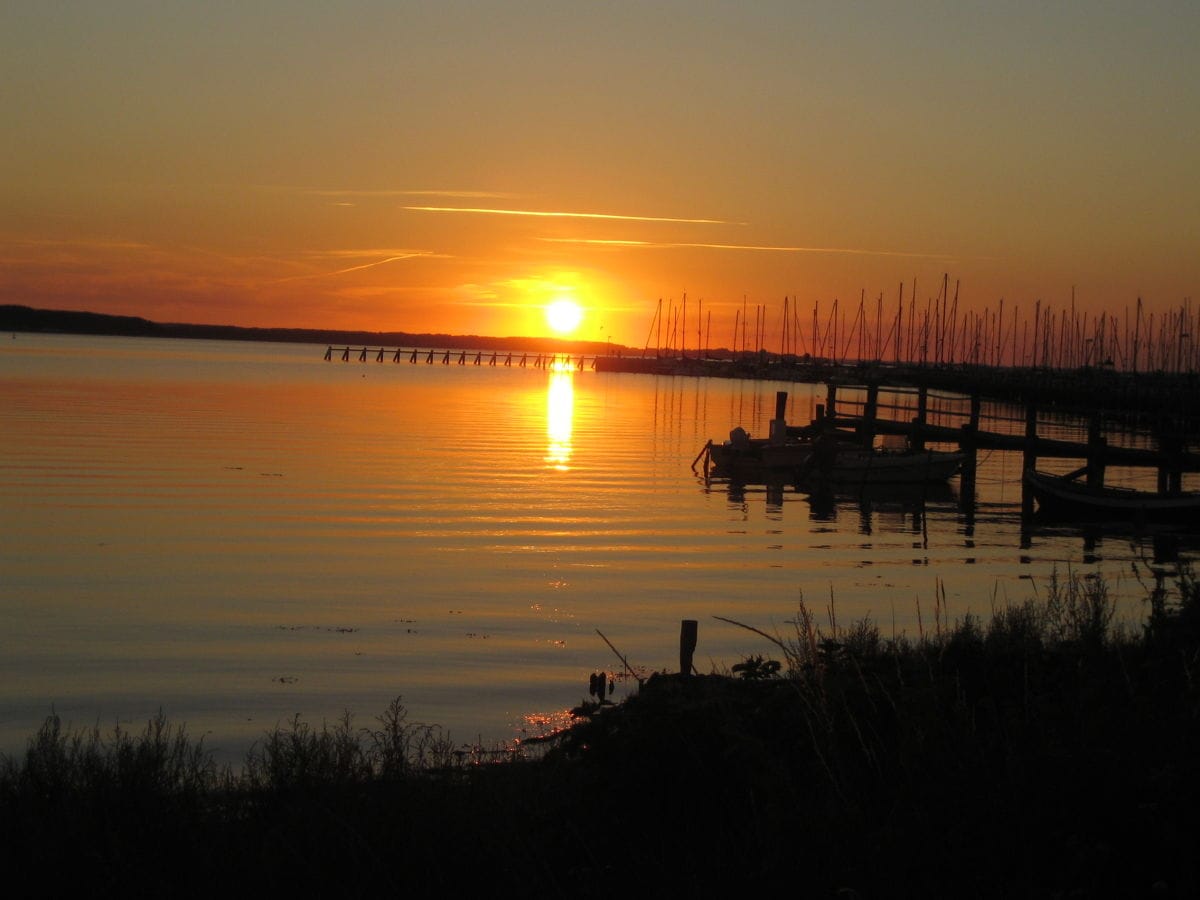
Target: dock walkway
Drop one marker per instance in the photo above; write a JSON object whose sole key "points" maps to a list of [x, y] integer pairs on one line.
{"points": [[924, 417]]}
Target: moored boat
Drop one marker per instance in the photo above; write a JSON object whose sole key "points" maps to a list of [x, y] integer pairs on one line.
{"points": [[826, 461], [817, 458], [1061, 497], [759, 459]]}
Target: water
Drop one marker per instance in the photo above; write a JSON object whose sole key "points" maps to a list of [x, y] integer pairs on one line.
{"points": [[237, 533]]}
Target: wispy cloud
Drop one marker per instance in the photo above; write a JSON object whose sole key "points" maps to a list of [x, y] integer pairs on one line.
{"points": [[565, 215], [390, 256], [360, 252], [769, 248], [392, 192], [76, 243]]}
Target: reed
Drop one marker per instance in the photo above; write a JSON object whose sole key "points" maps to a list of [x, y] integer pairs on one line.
{"points": [[1042, 752]]}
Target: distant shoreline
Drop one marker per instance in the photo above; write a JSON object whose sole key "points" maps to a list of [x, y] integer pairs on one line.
{"points": [[54, 321]]}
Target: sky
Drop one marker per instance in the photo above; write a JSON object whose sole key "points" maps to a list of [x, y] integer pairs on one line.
{"points": [[458, 166]]}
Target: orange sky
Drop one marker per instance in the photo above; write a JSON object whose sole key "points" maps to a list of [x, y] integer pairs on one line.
{"points": [[455, 167]]}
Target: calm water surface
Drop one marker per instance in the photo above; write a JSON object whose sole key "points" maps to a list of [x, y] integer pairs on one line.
{"points": [[236, 533]]}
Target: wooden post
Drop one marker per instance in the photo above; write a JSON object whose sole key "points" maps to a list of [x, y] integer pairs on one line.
{"points": [[688, 629], [917, 439], [780, 404], [967, 444], [866, 429], [1095, 451], [1028, 463], [831, 400], [1029, 453], [1170, 467], [1028, 460], [778, 432]]}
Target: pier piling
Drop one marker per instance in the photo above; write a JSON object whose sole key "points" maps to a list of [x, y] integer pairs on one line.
{"points": [[1096, 446], [688, 631], [917, 438], [866, 430]]}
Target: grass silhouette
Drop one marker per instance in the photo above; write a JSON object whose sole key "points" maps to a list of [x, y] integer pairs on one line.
{"points": [[1042, 753]]}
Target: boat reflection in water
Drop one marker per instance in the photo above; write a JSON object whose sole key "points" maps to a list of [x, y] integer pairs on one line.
{"points": [[905, 505]]}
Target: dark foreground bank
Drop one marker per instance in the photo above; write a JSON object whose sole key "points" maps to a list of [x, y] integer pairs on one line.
{"points": [[1040, 754]]}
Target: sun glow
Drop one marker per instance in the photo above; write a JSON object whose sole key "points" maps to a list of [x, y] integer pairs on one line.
{"points": [[564, 315]]}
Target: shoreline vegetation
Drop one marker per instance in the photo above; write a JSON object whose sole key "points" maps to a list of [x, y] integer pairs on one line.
{"points": [[53, 321], [1046, 752]]}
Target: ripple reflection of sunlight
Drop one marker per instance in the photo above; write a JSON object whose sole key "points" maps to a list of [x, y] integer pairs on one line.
{"points": [[560, 407]]}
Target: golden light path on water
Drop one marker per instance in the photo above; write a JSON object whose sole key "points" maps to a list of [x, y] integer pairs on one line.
{"points": [[560, 405], [237, 533]]}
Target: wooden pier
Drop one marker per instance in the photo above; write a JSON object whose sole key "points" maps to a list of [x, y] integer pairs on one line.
{"points": [[924, 416], [506, 358], [863, 412]]}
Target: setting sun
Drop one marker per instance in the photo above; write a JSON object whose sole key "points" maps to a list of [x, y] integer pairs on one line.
{"points": [[564, 316]]}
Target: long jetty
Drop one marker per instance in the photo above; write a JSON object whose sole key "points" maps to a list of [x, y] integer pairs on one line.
{"points": [[508, 358], [923, 416]]}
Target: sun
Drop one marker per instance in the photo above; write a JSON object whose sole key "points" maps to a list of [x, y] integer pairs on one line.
{"points": [[564, 315]]}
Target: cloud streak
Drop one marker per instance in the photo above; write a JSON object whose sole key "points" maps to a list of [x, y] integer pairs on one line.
{"points": [[768, 248], [391, 258], [541, 214], [387, 192]]}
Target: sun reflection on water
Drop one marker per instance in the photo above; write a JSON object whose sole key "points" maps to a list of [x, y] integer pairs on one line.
{"points": [[560, 407]]}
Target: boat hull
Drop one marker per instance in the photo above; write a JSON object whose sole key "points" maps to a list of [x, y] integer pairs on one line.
{"points": [[1059, 498], [760, 462], [871, 467]]}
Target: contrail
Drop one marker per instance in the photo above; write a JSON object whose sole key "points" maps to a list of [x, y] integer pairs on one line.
{"points": [[463, 195], [387, 192], [370, 265], [566, 215], [757, 247]]}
